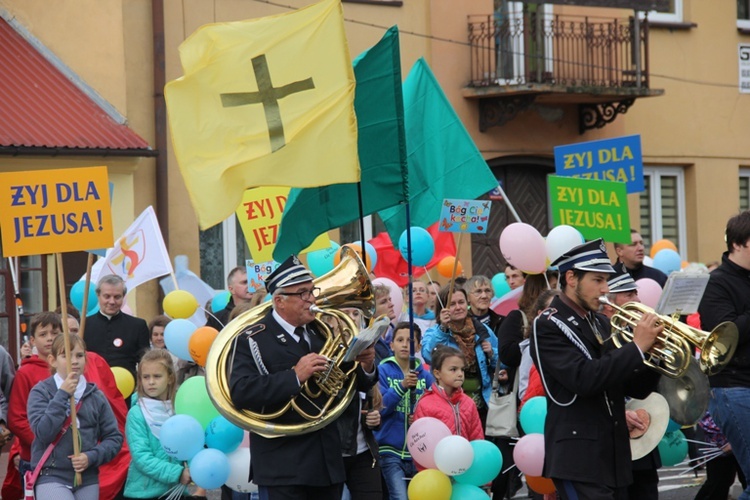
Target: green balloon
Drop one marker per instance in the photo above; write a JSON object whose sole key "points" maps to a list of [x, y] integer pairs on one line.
{"points": [[672, 448], [192, 399]]}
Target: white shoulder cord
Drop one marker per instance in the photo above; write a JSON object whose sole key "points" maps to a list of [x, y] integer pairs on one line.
{"points": [[573, 338]]}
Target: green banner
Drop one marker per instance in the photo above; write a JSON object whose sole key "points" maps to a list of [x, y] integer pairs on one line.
{"points": [[598, 209]]}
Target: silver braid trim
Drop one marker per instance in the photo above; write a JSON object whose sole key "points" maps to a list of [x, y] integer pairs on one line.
{"points": [[255, 351], [571, 336]]}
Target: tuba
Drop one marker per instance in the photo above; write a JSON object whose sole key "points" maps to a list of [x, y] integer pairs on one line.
{"points": [[673, 345], [348, 285]]}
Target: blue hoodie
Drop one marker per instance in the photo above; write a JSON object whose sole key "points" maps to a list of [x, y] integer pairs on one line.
{"points": [[391, 436]]}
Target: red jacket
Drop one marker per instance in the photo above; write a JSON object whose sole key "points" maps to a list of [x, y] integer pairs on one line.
{"points": [[32, 371], [535, 387], [459, 412]]}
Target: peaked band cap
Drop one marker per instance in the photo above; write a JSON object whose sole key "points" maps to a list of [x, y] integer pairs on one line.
{"points": [[290, 272], [622, 281], [591, 256]]}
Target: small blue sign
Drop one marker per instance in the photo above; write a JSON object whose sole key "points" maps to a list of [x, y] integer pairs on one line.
{"points": [[619, 159], [465, 216], [257, 273]]}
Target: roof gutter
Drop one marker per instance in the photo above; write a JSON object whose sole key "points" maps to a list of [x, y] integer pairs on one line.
{"points": [[55, 151]]}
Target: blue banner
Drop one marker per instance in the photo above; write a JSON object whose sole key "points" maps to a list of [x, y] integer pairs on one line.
{"points": [[465, 216], [619, 159]]}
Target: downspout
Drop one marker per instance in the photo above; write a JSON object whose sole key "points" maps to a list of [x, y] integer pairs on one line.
{"points": [[160, 120]]}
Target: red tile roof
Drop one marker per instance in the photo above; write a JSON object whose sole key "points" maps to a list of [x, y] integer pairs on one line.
{"points": [[43, 110]]}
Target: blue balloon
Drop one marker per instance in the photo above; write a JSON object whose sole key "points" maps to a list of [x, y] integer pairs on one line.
{"points": [[371, 252], [181, 436], [209, 469], [321, 261], [76, 297], [667, 261], [487, 464], [223, 435], [467, 492], [533, 414], [220, 301], [177, 336], [422, 246], [500, 285]]}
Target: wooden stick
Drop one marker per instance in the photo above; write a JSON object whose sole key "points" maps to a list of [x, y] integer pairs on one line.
{"points": [[68, 364], [85, 305], [453, 274]]}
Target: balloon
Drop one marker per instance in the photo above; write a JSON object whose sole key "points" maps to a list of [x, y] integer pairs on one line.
{"points": [[422, 438], [372, 254], [648, 261], [529, 454], [673, 426], [321, 261], [467, 492], [125, 308], [454, 455], [397, 298], [192, 399], [220, 301], [500, 285], [352, 246], [209, 468], [245, 440], [181, 436], [672, 448], [430, 484], [223, 435], [76, 296], [239, 465], [200, 342], [533, 415], [180, 304], [177, 335], [649, 292], [661, 245], [523, 247], [445, 267], [684, 264], [541, 485], [422, 246], [124, 380], [667, 261], [560, 240], [487, 464]]}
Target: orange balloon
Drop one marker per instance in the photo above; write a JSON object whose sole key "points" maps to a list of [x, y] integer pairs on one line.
{"points": [[445, 267], [358, 250], [200, 343], [661, 245], [684, 264], [541, 485]]}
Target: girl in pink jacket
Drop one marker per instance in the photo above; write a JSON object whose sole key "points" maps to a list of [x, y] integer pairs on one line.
{"points": [[446, 400]]}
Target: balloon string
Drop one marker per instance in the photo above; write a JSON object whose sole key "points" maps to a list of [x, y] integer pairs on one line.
{"points": [[211, 314], [431, 284]]}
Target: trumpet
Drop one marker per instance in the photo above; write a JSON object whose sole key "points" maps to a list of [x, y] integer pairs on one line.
{"points": [[672, 348]]}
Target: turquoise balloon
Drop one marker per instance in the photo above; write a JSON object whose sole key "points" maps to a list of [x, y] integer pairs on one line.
{"points": [[499, 285], [422, 246], [371, 252], [673, 448], [192, 399], [466, 492], [76, 297], [209, 469], [673, 426], [181, 436], [321, 261], [533, 414], [487, 464], [220, 301], [223, 435]]}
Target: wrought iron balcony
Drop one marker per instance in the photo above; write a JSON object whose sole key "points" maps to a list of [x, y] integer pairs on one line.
{"points": [[523, 58]]}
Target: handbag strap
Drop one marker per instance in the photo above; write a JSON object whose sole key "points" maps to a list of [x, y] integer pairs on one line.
{"points": [[48, 451]]}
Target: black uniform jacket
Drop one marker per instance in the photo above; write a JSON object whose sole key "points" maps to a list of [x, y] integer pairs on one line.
{"points": [[121, 341], [263, 381], [585, 433]]}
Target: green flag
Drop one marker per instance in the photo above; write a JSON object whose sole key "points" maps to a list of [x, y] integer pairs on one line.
{"points": [[378, 104], [443, 160]]}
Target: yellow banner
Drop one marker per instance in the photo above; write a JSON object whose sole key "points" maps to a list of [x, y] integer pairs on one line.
{"points": [[47, 211], [260, 217]]}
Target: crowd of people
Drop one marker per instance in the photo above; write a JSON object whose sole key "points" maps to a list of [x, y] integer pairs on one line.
{"points": [[446, 365]]}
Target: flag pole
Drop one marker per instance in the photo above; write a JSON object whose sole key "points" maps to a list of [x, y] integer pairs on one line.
{"points": [[85, 304], [20, 325], [362, 223], [412, 358], [507, 203], [69, 367]]}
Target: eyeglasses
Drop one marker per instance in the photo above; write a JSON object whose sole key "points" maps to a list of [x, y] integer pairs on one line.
{"points": [[304, 294], [480, 291]]}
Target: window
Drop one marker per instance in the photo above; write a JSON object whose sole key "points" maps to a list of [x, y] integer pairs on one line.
{"points": [[222, 248], [350, 232], [743, 14], [662, 206], [744, 189], [672, 15]]}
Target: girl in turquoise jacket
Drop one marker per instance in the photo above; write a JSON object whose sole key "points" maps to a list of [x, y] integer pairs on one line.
{"points": [[152, 472]]}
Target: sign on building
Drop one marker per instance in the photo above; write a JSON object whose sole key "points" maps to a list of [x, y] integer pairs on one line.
{"points": [[744, 60]]}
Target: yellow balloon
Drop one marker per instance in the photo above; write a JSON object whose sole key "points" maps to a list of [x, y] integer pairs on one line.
{"points": [[430, 484], [180, 304], [124, 380]]}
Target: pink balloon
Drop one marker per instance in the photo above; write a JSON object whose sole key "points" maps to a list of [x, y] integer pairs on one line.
{"points": [[397, 297], [529, 454], [649, 291], [245, 440], [422, 438], [523, 246], [126, 309]]}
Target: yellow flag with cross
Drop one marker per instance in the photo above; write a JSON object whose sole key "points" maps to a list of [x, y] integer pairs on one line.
{"points": [[264, 102]]}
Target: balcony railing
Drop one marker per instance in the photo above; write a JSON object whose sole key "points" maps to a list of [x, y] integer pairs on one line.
{"points": [[574, 52]]}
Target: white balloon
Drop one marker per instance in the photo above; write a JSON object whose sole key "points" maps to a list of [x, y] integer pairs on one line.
{"points": [[454, 455], [239, 470], [560, 240]]}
